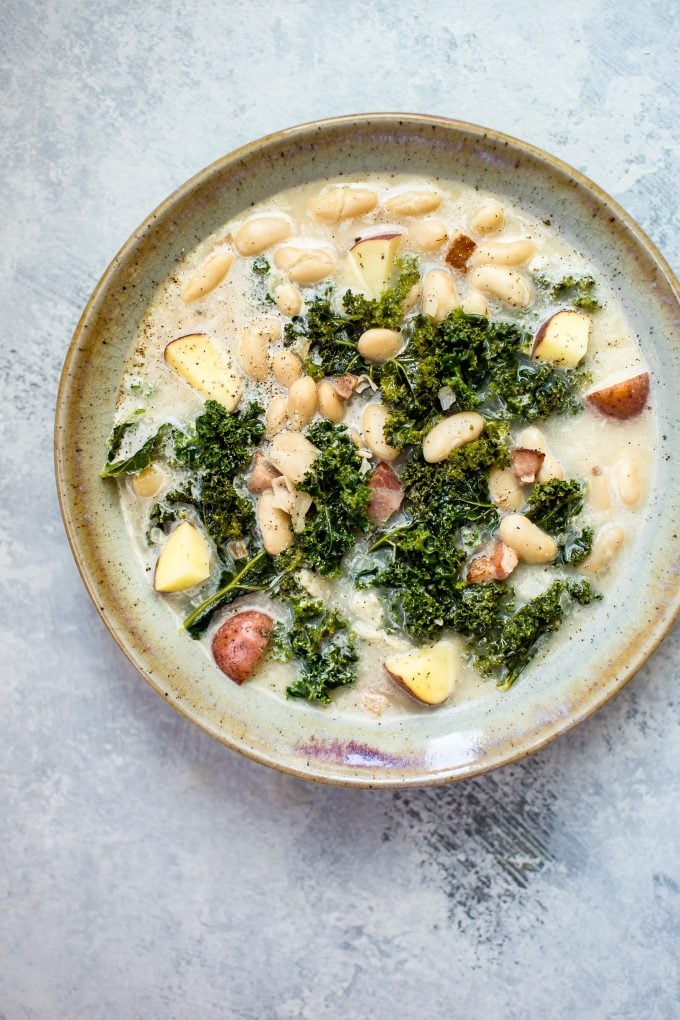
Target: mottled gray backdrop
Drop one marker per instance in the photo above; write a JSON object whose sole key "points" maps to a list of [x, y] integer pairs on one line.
{"points": [[146, 872]]}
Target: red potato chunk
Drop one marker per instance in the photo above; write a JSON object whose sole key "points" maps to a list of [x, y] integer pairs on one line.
{"points": [[386, 494], [460, 250], [495, 565], [624, 399], [240, 643], [526, 464], [262, 473]]}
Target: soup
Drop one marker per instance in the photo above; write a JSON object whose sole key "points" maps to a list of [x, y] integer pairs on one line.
{"points": [[382, 441]]}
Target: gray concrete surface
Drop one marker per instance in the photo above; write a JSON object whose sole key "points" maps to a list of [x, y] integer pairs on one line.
{"points": [[144, 870]]}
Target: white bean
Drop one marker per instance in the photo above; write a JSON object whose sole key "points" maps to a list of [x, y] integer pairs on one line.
{"points": [[293, 454], [413, 203], [413, 297], [504, 488], [147, 483], [252, 349], [208, 276], [379, 344], [474, 303], [274, 524], [628, 481], [428, 235], [302, 402], [373, 427], [607, 543], [504, 284], [305, 265], [499, 253], [331, 405], [599, 492], [550, 469], [439, 294], [532, 439], [261, 232], [286, 367], [530, 543], [288, 299], [489, 218], [275, 416], [342, 203], [451, 433], [252, 353]]}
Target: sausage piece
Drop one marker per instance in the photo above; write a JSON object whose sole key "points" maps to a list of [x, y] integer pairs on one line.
{"points": [[345, 385], [262, 473], [386, 494], [526, 464], [498, 564], [240, 643], [460, 250]]}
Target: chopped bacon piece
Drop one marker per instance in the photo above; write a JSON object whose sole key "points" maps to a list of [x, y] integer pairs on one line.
{"points": [[526, 464], [460, 250], [240, 643], [495, 565], [262, 473], [386, 494], [345, 385]]}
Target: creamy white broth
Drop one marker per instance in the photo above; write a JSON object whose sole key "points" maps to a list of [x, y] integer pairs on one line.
{"points": [[581, 443]]}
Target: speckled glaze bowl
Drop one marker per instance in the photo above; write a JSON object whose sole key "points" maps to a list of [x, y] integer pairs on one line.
{"points": [[557, 691]]}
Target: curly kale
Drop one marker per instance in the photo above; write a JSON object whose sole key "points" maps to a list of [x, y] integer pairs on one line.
{"points": [[526, 390], [320, 639], [509, 645], [341, 494], [553, 505], [578, 291], [220, 447], [477, 364], [576, 547], [453, 496], [138, 460], [330, 336]]}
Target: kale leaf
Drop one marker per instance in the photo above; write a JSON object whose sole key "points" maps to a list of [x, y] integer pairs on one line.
{"points": [[513, 640], [553, 505], [477, 364], [138, 460], [219, 447], [341, 494], [454, 494], [579, 291], [320, 639], [576, 547], [329, 337]]}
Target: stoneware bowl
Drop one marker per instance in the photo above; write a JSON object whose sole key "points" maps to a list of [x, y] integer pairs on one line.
{"points": [[553, 695]]}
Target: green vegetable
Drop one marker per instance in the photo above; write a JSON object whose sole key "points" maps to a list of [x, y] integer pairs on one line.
{"points": [[116, 437], [340, 493], [526, 390], [255, 575], [577, 290], [478, 364], [454, 495], [137, 461], [261, 265], [513, 640], [576, 548], [320, 639], [331, 336], [220, 446], [553, 505]]}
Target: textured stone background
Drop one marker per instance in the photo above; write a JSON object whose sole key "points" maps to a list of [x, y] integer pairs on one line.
{"points": [[148, 872]]}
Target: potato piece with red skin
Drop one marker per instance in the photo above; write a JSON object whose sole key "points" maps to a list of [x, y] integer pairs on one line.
{"points": [[241, 642], [622, 400]]}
